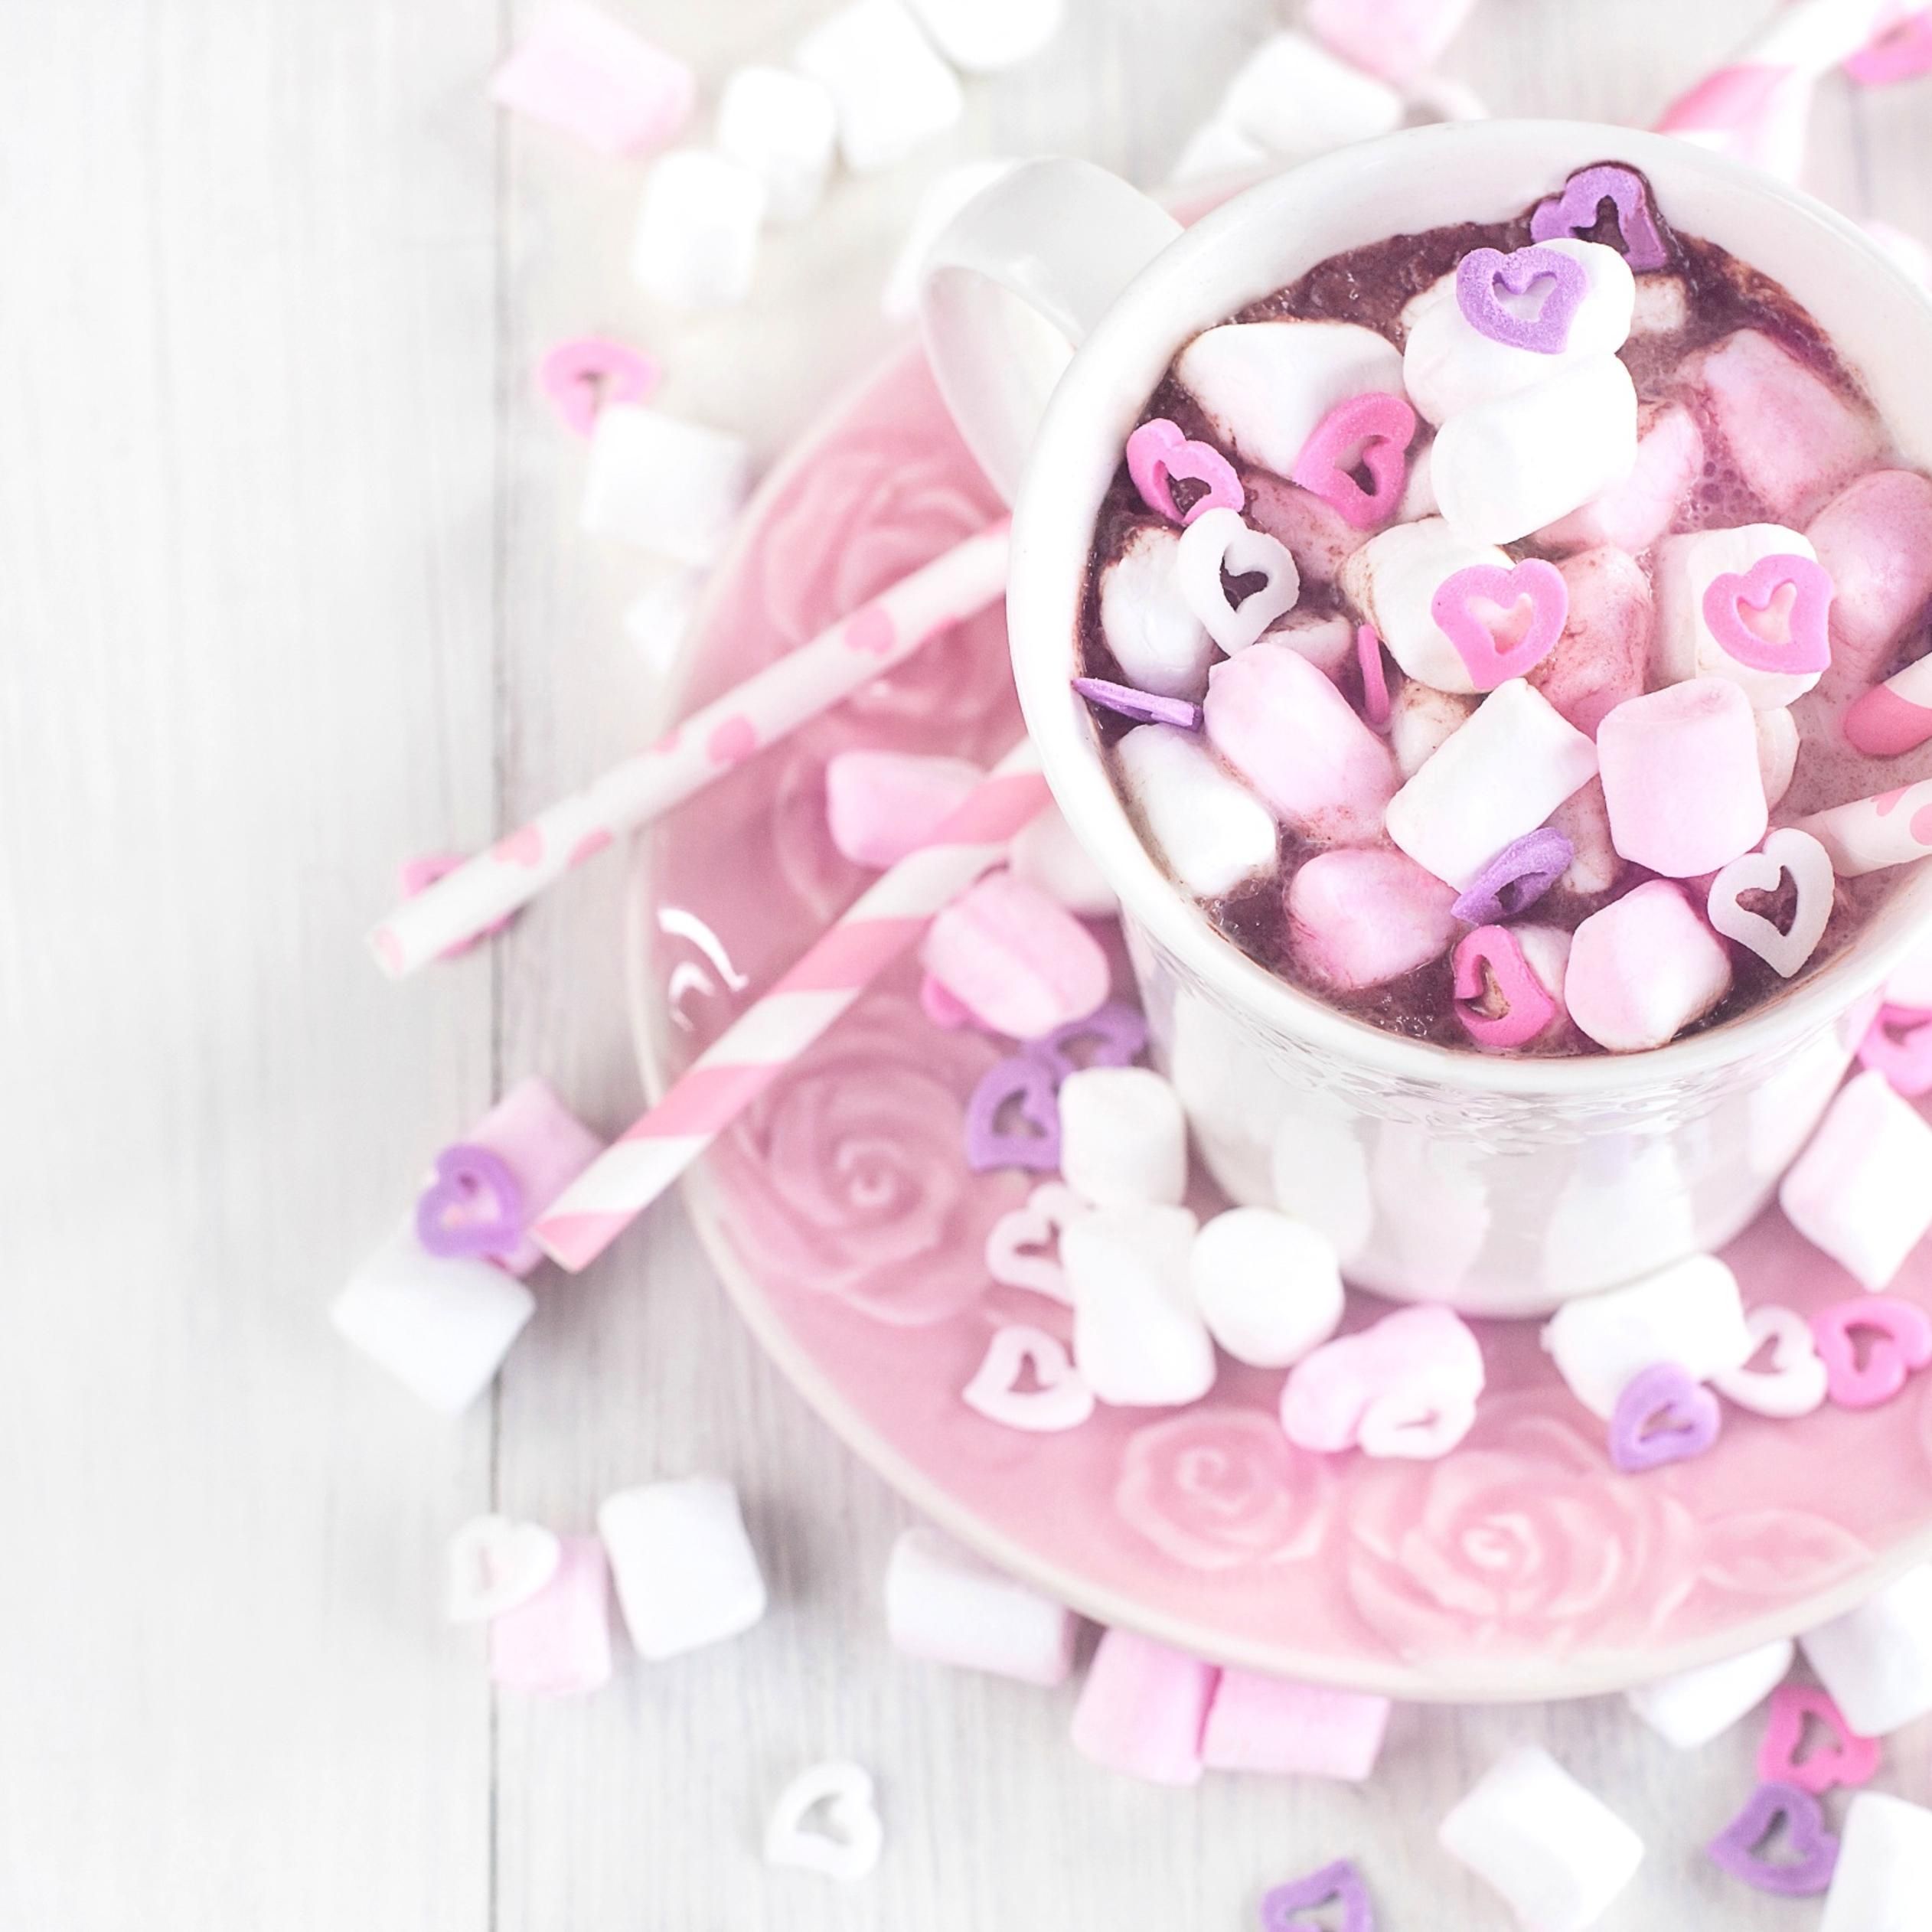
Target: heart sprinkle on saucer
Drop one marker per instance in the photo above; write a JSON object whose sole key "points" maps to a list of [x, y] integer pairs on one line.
{"points": [[1490, 960], [1792, 1383], [1372, 433], [1339, 1883], [1489, 662], [1898, 1044], [1578, 208], [473, 1207], [1901, 1345], [496, 1564], [1118, 1033], [1060, 1399], [844, 1841], [1160, 452], [1844, 1758], [1024, 1083], [1482, 271], [1731, 593], [1787, 850], [1018, 1244], [1663, 1415], [1813, 1850]]}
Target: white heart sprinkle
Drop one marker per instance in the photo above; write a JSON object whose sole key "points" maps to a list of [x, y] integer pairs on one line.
{"points": [[1218, 541], [1810, 867], [1012, 1257], [495, 1564], [1062, 1401], [1793, 1384], [846, 1839]]}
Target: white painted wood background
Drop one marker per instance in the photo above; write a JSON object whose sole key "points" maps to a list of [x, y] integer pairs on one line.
{"points": [[289, 586]]}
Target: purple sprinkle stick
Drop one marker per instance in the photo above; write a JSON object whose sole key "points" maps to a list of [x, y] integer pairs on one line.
{"points": [[1143, 707], [1030, 1082], [1483, 271], [1663, 1415], [1118, 1032], [1516, 878], [1584, 194], [1338, 1883], [1814, 1850], [468, 1178]]}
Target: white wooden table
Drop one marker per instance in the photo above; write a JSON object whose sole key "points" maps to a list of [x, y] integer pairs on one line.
{"points": [[289, 586]]}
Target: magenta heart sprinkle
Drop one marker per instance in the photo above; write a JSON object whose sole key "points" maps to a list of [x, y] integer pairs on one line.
{"points": [[1663, 1415], [1035, 1144], [1483, 271], [1143, 707], [1516, 878], [473, 1206], [1814, 1850], [1338, 1883], [1575, 210]]}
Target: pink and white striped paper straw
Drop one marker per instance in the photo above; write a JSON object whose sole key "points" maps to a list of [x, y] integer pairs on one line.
{"points": [[1869, 834], [771, 1032], [766, 707]]}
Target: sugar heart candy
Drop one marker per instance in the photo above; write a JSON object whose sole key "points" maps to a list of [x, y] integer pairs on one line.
{"points": [[1015, 958], [1862, 1190], [1268, 1287], [545, 1147], [1792, 1752], [845, 1841], [1786, 854], [686, 1573], [1688, 567], [948, 1606], [1385, 1383], [1661, 1416], [1808, 1852], [1058, 1398], [1792, 1382], [1392, 580], [495, 1564], [1217, 548]]}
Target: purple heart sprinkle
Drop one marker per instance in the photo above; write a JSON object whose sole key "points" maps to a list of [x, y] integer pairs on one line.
{"points": [[1516, 878], [1030, 1083], [1338, 1883], [1576, 210], [1814, 1850], [1143, 707], [1118, 1032], [1483, 271], [1664, 1414], [467, 1178]]}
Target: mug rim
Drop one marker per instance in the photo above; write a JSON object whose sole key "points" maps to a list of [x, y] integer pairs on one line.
{"points": [[1061, 727]]}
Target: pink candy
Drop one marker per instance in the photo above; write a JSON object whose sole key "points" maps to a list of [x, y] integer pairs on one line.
{"points": [[1643, 969], [1372, 432], [1461, 609], [1284, 1729], [582, 72], [579, 377], [1158, 454], [1016, 959], [1406, 1387], [557, 1643], [1681, 777], [1143, 1708], [544, 1146], [1492, 969], [1360, 917], [881, 805]]}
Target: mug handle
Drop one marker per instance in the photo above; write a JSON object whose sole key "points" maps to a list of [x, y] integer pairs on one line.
{"points": [[1013, 284]]}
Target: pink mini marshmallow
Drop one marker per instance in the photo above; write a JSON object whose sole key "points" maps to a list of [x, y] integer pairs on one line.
{"points": [[581, 71], [1681, 777], [1793, 437], [1643, 969], [1604, 652], [557, 1643], [1399, 40], [1359, 918], [1862, 1190], [1143, 1708], [1874, 540], [1318, 537], [1284, 1729], [881, 805], [1406, 1387], [1284, 727], [1017, 961], [1631, 515], [545, 1147]]}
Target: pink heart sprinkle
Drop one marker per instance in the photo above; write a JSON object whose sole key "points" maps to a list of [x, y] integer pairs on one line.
{"points": [[1370, 432], [1158, 453], [1576, 210], [1729, 593], [1902, 1345], [1527, 1007], [1846, 1760], [871, 628], [524, 846], [1484, 271], [732, 741], [1899, 53], [1488, 663], [578, 377]]}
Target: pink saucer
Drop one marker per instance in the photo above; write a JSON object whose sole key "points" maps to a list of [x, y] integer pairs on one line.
{"points": [[849, 1232]]}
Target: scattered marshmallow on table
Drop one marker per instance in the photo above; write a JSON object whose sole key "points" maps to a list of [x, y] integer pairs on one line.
{"points": [[1695, 1706], [1421, 720], [441, 1326], [1689, 1313], [1604, 656], [1875, 1662], [696, 245], [1211, 832], [658, 619], [1283, 1729], [945, 194], [1285, 728], [1884, 1873], [1142, 1709], [1642, 968], [1268, 1287], [1298, 100], [1557, 1854], [1265, 386], [1160, 644], [557, 1643], [1401, 40], [545, 1147], [1874, 541], [1123, 1137], [1359, 916], [893, 91], [881, 805], [1862, 1190], [1501, 776], [783, 126], [1219, 148], [1392, 580], [947, 1605], [1046, 856], [983, 36], [1686, 568], [590, 76], [1632, 514], [1406, 1387], [1137, 1339], [671, 487], [1015, 959], [686, 1573], [1681, 778]]}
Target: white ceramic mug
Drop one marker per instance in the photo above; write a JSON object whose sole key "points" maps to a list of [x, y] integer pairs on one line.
{"points": [[1501, 1185]]}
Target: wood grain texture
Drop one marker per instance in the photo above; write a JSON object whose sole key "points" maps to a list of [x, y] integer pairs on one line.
{"points": [[291, 585]]}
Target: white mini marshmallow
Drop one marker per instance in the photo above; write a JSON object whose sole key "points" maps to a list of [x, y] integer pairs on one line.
{"points": [[1695, 1706], [1583, 819], [1046, 855], [1268, 1288], [697, 240], [1777, 752], [948, 1606], [784, 127], [1449, 365], [685, 1571], [1689, 1313], [1392, 580], [945, 194], [1298, 100], [1326, 639], [1217, 544], [1501, 776], [1265, 387], [1876, 1661], [1137, 1339], [1884, 1873], [1418, 490], [1662, 306], [1862, 1190], [1507, 467], [983, 36], [1219, 149], [441, 1325], [658, 620], [671, 487], [1684, 568], [893, 92], [1150, 626], [1123, 1137], [1557, 1854], [1421, 720], [1209, 829]]}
